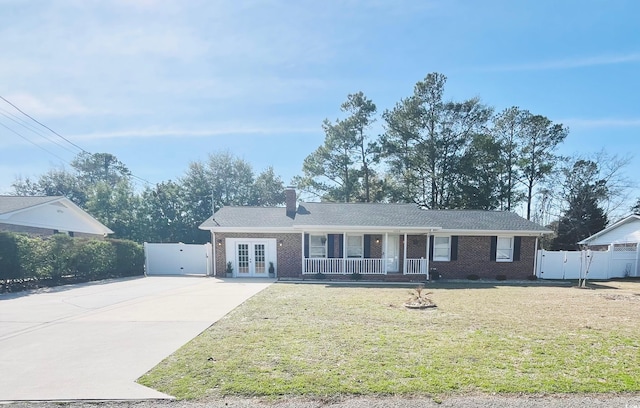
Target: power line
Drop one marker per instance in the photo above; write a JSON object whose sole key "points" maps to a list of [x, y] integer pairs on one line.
{"points": [[33, 143], [52, 131], [8, 115], [43, 125]]}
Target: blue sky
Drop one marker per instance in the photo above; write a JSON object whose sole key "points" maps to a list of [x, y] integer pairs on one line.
{"points": [[162, 83]]}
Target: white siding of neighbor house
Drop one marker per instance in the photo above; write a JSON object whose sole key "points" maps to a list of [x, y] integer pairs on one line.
{"points": [[627, 232], [56, 216]]}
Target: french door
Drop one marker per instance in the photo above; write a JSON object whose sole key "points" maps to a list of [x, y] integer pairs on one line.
{"points": [[251, 259]]}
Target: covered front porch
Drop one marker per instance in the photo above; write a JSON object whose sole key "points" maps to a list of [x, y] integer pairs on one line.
{"points": [[365, 253]]}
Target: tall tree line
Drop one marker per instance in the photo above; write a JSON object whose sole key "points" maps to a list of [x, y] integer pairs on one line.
{"points": [[437, 153], [170, 211]]}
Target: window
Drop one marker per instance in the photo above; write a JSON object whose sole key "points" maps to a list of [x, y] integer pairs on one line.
{"points": [[441, 248], [504, 249], [317, 246], [354, 246]]}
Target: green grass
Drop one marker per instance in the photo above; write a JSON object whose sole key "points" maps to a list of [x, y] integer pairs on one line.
{"points": [[324, 341]]}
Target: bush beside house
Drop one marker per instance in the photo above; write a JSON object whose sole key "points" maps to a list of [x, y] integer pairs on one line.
{"points": [[27, 261]]}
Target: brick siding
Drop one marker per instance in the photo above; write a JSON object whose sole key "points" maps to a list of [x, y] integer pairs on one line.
{"points": [[42, 232], [289, 254], [473, 255], [474, 259]]}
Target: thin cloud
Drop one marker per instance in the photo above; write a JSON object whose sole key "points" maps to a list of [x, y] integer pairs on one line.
{"points": [[569, 63], [194, 133]]}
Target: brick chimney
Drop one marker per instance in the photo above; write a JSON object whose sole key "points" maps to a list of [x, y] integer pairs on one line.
{"points": [[290, 201]]}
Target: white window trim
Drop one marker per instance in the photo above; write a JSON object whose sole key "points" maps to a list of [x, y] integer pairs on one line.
{"points": [[317, 246], [361, 246], [512, 240], [442, 259]]}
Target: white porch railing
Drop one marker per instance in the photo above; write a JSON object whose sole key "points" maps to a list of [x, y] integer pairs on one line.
{"points": [[334, 266], [365, 266], [415, 266]]}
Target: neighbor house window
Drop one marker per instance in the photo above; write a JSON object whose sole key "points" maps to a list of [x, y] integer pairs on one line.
{"points": [[504, 249], [354, 246], [317, 246], [441, 248]]}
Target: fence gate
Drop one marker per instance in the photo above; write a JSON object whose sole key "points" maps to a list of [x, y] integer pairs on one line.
{"points": [[573, 264], [177, 259]]}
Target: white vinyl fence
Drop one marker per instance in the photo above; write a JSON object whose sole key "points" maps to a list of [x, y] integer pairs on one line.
{"points": [[177, 259], [585, 264]]}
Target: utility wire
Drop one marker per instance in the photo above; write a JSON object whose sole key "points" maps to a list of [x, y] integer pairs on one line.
{"points": [[33, 143], [43, 125], [26, 126], [55, 133]]}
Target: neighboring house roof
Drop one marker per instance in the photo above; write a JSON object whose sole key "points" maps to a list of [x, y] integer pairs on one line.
{"points": [[14, 203], [368, 216], [55, 213], [625, 230]]}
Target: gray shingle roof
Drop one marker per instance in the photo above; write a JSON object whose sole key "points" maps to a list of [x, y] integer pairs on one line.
{"points": [[14, 203], [249, 217], [481, 220], [369, 215], [362, 214]]}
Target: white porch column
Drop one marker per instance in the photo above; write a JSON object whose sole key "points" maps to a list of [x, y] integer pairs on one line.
{"points": [[213, 253], [427, 255], [344, 252], [404, 261], [385, 258], [304, 264]]}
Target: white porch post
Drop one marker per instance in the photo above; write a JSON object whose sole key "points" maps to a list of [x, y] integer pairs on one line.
{"points": [[427, 255], [344, 252], [213, 252], [385, 258], [304, 264], [404, 261]]}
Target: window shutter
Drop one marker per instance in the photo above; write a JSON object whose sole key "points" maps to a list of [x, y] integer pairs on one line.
{"points": [[330, 246], [454, 248], [306, 245], [494, 247], [341, 246], [517, 241], [431, 248], [367, 246]]}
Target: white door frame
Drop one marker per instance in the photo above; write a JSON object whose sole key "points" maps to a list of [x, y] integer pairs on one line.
{"points": [[392, 265], [255, 267]]}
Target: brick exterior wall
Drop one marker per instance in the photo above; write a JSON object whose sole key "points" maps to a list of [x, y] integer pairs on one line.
{"points": [[473, 256], [41, 232], [289, 254], [474, 259]]}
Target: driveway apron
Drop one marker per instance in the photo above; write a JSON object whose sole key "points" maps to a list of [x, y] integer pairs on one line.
{"points": [[92, 341]]}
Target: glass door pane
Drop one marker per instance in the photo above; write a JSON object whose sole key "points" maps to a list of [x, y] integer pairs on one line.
{"points": [[243, 259], [259, 259]]}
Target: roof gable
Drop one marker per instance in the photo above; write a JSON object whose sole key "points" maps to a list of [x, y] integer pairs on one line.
{"points": [[625, 230], [54, 213]]}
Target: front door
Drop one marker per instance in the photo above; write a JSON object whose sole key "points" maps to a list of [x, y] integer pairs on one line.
{"points": [[251, 259], [393, 253]]}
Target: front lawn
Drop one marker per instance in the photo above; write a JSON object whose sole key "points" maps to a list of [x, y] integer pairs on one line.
{"points": [[323, 340]]}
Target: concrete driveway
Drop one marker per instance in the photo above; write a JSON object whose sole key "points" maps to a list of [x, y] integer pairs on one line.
{"points": [[92, 341]]}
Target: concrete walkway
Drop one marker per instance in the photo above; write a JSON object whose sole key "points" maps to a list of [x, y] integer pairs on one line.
{"points": [[92, 341]]}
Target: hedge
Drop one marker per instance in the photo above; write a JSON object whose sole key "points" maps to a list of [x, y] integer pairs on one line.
{"points": [[26, 258]]}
